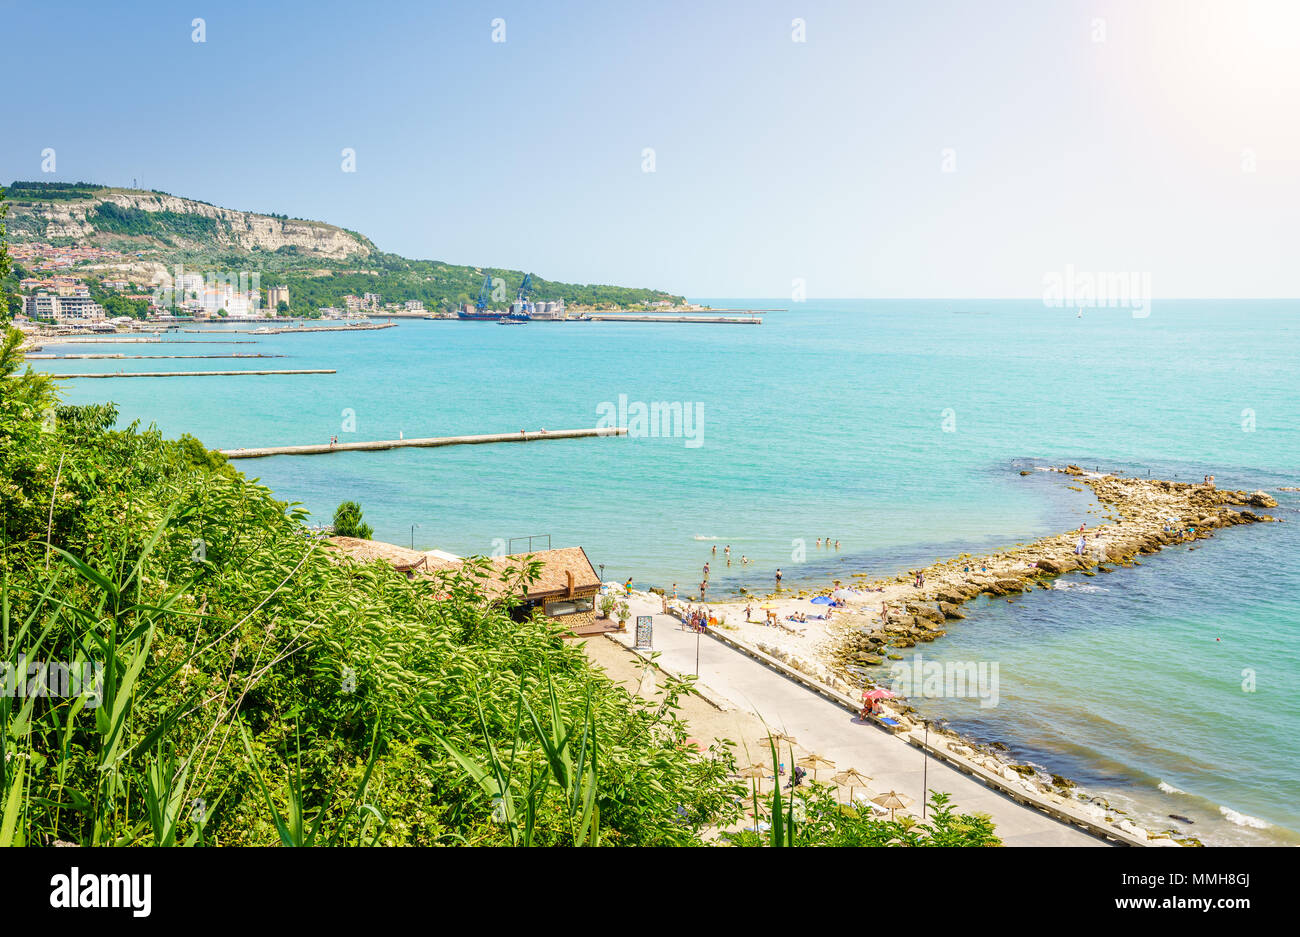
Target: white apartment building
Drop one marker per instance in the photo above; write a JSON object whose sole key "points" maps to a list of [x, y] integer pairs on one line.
{"points": [[45, 307]]}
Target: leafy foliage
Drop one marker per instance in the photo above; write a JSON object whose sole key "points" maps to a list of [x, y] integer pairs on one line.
{"points": [[348, 522], [254, 689], [165, 225]]}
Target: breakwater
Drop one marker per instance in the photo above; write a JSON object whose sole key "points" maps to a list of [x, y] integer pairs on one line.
{"points": [[715, 320], [1146, 516], [423, 442], [193, 373]]}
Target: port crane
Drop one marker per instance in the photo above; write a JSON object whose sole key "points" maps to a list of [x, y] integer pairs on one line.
{"points": [[484, 293]]}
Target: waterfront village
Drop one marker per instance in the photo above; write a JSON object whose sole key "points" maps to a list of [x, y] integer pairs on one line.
{"points": [[59, 297]]}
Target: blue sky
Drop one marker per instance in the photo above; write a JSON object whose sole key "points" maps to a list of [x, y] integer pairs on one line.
{"points": [[1169, 145]]}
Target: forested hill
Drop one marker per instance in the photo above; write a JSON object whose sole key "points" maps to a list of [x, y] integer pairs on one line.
{"points": [[319, 262]]}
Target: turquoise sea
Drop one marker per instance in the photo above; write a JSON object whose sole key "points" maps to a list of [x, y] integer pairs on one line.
{"points": [[898, 428]]}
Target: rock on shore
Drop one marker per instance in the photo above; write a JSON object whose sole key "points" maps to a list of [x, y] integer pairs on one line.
{"points": [[1147, 515]]}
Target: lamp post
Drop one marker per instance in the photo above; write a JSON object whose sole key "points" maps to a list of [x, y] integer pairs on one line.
{"points": [[602, 574], [925, 765], [413, 526]]}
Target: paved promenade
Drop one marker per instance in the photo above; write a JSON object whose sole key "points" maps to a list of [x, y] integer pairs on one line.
{"points": [[820, 726]]}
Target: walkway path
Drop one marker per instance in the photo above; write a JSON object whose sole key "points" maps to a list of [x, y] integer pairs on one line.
{"points": [[818, 725]]}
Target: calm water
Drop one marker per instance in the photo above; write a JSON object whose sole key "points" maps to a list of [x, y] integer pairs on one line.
{"points": [[895, 427]]}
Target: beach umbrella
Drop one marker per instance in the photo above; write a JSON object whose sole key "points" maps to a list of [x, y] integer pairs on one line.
{"points": [[892, 801], [878, 693], [779, 737], [815, 762], [853, 778], [755, 771]]}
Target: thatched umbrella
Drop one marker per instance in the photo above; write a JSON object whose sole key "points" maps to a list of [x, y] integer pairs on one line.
{"points": [[892, 801], [755, 771], [776, 738], [853, 779], [815, 761]]}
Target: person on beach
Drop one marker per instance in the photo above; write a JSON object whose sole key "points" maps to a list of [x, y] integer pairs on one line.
{"points": [[749, 612], [1081, 546], [819, 543], [727, 551], [706, 570], [837, 544], [778, 579], [674, 592], [744, 560], [715, 549], [704, 587], [627, 586]]}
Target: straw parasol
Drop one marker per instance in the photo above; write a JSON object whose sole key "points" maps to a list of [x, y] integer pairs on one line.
{"points": [[853, 778], [779, 737], [815, 761], [755, 771], [892, 801]]}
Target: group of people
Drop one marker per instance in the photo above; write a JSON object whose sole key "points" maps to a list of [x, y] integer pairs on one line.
{"points": [[1209, 481], [828, 543], [696, 619], [726, 552]]}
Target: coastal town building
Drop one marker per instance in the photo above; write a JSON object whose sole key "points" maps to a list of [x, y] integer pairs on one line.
{"points": [[276, 295], [565, 589], [50, 307]]}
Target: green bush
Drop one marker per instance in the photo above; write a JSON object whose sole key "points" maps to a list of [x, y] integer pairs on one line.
{"points": [[256, 690]]}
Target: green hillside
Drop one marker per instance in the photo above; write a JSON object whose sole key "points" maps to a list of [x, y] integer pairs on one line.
{"points": [[319, 262]]}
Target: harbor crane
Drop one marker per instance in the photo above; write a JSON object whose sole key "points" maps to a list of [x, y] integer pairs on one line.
{"points": [[484, 293]]}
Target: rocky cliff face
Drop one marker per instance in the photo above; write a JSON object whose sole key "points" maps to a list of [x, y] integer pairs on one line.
{"points": [[234, 229]]}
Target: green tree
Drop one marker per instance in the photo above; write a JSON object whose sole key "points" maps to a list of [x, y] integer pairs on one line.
{"points": [[6, 264], [282, 308], [348, 522]]}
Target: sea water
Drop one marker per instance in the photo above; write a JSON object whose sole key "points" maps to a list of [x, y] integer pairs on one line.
{"points": [[898, 428]]}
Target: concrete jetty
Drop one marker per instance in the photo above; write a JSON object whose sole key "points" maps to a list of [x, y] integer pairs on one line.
{"points": [[266, 330], [716, 320], [53, 357], [426, 442], [194, 373]]}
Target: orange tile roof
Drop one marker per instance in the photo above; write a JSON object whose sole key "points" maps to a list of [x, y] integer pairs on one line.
{"points": [[553, 580]]}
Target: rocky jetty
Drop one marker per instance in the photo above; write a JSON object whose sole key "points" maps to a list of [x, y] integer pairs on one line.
{"points": [[1146, 516]]}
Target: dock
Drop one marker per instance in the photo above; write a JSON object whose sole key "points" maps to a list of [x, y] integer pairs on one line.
{"points": [[53, 357], [424, 443], [294, 331], [135, 340], [192, 373], [634, 317]]}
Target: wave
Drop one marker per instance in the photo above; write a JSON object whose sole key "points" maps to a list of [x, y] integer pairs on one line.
{"points": [[1170, 789], [705, 537], [1242, 819], [1078, 586]]}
